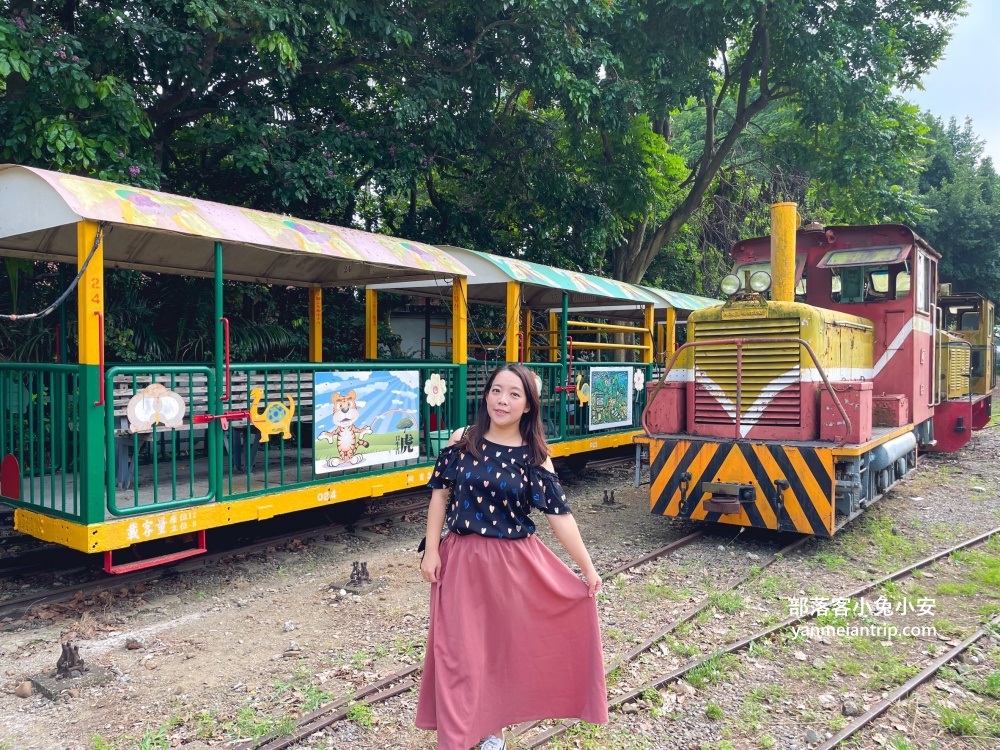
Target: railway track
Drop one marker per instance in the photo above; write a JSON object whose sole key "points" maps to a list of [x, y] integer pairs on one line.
{"points": [[674, 675], [403, 681], [20, 606]]}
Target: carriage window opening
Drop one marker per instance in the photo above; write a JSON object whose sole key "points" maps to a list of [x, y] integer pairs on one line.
{"points": [[961, 318]]}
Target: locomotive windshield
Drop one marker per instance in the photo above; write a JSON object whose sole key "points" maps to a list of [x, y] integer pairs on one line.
{"points": [[859, 284]]}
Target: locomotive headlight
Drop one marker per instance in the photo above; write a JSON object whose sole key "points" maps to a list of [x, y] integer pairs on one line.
{"points": [[760, 281], [730, 285]]}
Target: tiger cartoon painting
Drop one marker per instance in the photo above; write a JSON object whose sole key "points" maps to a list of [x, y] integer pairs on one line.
{"points": [[347, 436], [372, 419]]}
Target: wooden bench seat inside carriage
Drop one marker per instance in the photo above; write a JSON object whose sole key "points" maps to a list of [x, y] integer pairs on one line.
{"points": [[71, 429], [808, 394]]}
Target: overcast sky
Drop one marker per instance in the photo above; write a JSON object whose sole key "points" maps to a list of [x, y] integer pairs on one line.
{"points": [[966, 82]]}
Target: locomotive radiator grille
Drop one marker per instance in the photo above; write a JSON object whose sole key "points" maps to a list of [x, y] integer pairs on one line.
{"points": [[958, 369], [771, 390]]}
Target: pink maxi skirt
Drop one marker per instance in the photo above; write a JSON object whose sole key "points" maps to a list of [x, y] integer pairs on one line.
{"points": [[513, 638]]}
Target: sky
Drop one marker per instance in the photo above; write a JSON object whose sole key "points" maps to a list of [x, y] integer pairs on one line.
{"points": [[966, 82]]}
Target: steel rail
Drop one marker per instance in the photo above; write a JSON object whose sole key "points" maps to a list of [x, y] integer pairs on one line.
{"points": [[24, 605], [676, 674], [905, 689], [667, 629]]}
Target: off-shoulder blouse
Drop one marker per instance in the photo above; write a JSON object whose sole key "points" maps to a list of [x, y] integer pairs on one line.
{"points": [[494, 494]]}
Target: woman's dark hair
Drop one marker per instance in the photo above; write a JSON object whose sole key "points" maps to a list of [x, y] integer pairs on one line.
{"points": [[532, 431]]}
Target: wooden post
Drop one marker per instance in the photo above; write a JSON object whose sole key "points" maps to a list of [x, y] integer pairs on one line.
{"points": [[671, 343], [647, 334], [553, 337], [512, 315], [315, 324], [460, 350], [371, 324], [526, 327], [90, 317]]}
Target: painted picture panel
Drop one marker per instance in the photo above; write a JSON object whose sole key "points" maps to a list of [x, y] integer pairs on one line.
{"points": [[610, 397], [366, 418]]}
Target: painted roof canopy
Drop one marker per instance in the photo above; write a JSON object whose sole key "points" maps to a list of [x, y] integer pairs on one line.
{"points": [[154, 231]]}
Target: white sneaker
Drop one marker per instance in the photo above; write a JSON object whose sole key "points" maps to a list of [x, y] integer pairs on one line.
{"points": [[494, 743]]}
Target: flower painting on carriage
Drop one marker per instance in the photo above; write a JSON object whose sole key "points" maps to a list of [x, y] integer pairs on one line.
{"points": [[610, 397], [366, 418]]}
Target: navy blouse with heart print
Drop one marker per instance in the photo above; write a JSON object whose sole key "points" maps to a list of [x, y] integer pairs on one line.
{"points": [[494, 494]]}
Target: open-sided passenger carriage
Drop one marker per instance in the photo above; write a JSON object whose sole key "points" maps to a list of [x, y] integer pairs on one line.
{"points": [[71, 433], [591, 341]]}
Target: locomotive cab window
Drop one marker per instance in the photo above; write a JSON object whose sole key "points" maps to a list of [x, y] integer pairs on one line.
{"points": [[961, 318], [866, 284], [926, 282], [871, 274]]}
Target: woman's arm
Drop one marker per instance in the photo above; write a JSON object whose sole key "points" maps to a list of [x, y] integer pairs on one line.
{"points": [[430, 566], [568, 534]]}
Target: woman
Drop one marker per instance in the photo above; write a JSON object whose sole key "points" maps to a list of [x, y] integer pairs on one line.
{"points": [[514, 634]]}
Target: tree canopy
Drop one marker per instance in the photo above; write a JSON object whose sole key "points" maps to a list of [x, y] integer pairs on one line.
{"points": [[633, 138]]}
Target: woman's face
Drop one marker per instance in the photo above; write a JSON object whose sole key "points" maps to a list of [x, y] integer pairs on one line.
{"points": [[506, 401]]}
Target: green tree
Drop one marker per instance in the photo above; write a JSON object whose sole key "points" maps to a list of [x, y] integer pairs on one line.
{"points": [[833, 65], [959, 187]]}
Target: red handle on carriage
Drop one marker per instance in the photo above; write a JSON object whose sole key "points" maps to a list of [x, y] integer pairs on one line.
{"points": [[100, 354], [569, 387], [225, 346]]}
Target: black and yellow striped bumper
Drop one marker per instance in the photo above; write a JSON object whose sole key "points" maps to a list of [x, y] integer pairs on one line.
{"points": [[794, 485]]}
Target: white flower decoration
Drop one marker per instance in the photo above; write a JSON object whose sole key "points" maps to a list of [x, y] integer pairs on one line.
{"points": [[435, 388], [638, 379]]}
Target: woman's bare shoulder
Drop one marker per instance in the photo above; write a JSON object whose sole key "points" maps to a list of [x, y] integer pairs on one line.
{"points": [[457, 435]]}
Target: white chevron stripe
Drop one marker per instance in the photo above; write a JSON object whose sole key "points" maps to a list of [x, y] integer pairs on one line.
{"points": [[748, 420], [895, 346]]}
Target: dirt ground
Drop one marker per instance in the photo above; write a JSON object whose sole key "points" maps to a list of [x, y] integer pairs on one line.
{"points": [[205, 658]]}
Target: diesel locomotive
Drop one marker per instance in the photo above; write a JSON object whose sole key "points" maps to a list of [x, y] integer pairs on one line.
{"points": [[807, 394]]}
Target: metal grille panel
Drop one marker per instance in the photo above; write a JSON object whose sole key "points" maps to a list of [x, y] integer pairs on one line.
{"points": [[771, 373]]}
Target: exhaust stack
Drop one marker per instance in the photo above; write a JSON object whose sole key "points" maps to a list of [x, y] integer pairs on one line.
{"points": [[784, 222]]}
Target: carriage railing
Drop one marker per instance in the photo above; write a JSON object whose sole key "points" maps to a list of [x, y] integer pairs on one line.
{"points": [[152, 467], [39, 427], [567, 416], [218, 454], [299, 460]]}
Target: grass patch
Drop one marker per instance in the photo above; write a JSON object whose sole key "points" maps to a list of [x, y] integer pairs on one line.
{"points": [[714, 711], [584, 736], [361, 714], [958, 722], [250, 723], [957, 589], [714, 670], [728, 602], [681, 649], [829, 560]]}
